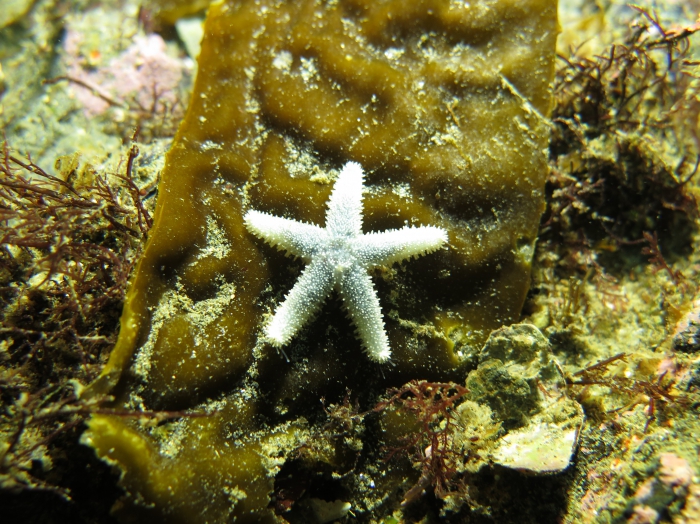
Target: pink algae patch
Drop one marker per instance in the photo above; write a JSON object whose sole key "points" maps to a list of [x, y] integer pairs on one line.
{"points": [[143, 77]]}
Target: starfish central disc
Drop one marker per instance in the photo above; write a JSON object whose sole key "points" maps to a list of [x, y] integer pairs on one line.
{"points": [[339, 257]]}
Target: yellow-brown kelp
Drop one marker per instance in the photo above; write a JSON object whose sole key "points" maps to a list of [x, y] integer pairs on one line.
{"points": [[444, 104]]}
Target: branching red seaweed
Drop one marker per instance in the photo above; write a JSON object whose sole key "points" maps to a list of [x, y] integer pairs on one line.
{"points": [[429, 446]]}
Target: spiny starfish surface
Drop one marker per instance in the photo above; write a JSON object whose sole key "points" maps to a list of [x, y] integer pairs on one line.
{"points": [[339, 257]]}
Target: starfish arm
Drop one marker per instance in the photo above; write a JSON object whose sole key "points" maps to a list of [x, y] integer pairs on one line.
{"points": [[360, 298], [298, 238], [344, 215], [302, 302], [394, 245]]}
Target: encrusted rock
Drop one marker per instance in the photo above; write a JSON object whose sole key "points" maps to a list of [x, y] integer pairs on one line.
{"points": [[686, 336], [523, 384]]}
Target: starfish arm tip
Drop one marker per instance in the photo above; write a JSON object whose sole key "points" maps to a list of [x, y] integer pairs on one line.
{"points": [[428, 238], [344, 214], [255, 221], [441, 237], [275, 335], [355, 167], [382, 356]]}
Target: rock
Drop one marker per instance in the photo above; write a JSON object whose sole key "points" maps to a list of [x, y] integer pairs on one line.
{"points": [[686, 336], [524, 386]]}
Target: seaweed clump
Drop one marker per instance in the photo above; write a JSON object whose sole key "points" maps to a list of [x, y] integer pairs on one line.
{"points": [[655, 390], [428, 408], [622, 191], [67, 245], [623, 149], [616, 265]]}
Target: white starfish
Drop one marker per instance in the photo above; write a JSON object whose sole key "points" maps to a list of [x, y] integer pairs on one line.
{"points": [[339, 256]]}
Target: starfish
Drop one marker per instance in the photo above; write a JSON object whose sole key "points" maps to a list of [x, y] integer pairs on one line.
{"points": [[339, 257]]}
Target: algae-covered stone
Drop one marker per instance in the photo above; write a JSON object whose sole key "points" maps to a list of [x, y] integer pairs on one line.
{"points": [[519, 379], [444, 105], [513, 365], [686, 336]]}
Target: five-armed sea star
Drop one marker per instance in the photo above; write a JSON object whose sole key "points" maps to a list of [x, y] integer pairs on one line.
{"points": [[339, 257]]}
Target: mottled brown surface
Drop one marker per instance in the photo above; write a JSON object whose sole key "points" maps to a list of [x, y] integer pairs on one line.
{"points": [[443, 105]]}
